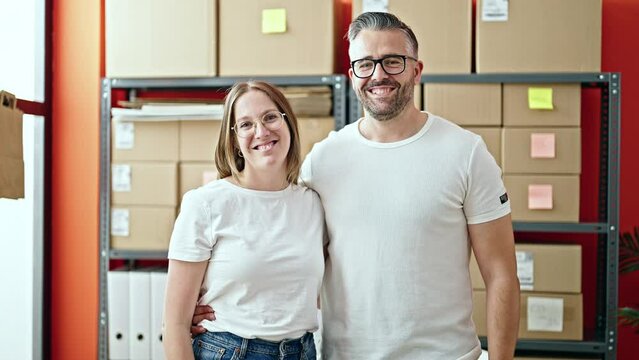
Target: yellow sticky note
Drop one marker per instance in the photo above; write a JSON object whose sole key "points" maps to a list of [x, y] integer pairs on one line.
{"points": [[540, 98], [273, 21]]}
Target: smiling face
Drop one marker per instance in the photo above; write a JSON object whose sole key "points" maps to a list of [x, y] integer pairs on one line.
{"points": [[265, 150], [384, 96]]}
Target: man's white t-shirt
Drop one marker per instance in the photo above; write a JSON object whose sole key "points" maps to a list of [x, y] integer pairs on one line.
{"points": [[397, 284], [265, 256]]}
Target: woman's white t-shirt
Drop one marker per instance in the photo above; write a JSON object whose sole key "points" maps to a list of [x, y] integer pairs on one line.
{"points": [[265, 256]]}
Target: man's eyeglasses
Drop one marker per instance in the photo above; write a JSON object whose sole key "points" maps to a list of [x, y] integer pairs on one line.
{"points": [[391, 64], [272, 121]]}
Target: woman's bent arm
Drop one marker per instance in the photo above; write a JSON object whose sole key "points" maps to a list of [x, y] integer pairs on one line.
{"points": [[182, 291]]}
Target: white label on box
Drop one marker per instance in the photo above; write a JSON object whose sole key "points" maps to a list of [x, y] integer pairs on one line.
{"points": [[124, 135], [545, 314], [525, 269], [374, 6], [121, 178], [494, 10], [120, 222]]}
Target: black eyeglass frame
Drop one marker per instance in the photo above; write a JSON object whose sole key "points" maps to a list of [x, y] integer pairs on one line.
{"points": [[381, 63]]}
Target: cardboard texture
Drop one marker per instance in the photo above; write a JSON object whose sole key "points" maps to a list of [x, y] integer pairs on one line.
{"points": [[571, 319], [565, 197], [492, 138], [149, 228], [151, 141], [442, 28], [161, 38], [566, 100], [521, 154], [541, 36], [306, 47], [150, 183], [312, 101], [556, 268], [465, 104], [11, 157], [313, 130], [198, 139], [194, 175]]}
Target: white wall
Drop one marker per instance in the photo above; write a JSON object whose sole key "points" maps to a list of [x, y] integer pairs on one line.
{"points": [[22, 73]]}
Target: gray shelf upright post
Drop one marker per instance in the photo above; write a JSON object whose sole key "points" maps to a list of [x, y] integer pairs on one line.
{"points": [[105, 201]]}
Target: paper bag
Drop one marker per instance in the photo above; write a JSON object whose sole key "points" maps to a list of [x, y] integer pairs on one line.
{"points": [[11, 162]]}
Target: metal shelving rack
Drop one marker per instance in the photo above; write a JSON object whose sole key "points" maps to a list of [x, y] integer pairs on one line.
{"points": [[605, 344], [340, 113]]}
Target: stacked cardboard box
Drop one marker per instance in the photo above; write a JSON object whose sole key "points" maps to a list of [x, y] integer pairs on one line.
{"points": [[476, 107], [161, 38], [276, 37], [541, 151], [551, 298], [538, 36], [143, 184], [198, 140]]}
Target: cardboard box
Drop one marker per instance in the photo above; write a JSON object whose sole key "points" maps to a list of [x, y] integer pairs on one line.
{"points": [[540, 36], [313, 130], [141, 227], [144, 183], [542, 316], [276, 37], [198, 139], [465, 104], [11, 158], [161, 38], [541, 150], [447, 52], [544, 198], [520, 110], [552, 268], [492, 138], [145, 141], [194, 175]]}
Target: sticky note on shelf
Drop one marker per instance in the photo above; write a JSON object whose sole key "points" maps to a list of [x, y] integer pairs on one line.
{"points": [[540, 197], [545, 314], [273, 21], [542, 146], [540, 98]]}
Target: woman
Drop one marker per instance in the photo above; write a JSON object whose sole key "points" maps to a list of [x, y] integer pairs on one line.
{"points": [[250, 243]]}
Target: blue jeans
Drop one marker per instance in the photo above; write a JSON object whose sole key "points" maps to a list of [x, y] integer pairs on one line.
{"points": [[226, 346]]}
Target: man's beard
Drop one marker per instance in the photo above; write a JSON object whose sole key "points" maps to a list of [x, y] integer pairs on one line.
{"points": [[386, 111]]}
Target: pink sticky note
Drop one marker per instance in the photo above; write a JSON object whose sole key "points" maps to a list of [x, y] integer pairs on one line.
{"points": [[542, 146], [539, 197], [208, 176]]}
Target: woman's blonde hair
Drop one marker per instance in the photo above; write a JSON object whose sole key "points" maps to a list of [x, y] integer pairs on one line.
{"points": [[227, 160]]}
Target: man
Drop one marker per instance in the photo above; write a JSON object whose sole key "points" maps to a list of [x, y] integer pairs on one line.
{"points": [[406, 194]]}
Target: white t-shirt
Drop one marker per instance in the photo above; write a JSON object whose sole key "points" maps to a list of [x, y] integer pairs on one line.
{"points": [[396, 284], [265, 257]]}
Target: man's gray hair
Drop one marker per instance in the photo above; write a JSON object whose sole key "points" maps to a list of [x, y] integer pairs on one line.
{"points": [[380, 21]]}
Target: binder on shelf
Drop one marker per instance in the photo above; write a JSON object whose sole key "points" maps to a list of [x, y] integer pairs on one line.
{"points": [[118, 310], [158, 288], [139, 315]]}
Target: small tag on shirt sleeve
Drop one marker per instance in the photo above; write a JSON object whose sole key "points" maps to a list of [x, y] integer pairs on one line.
{"points": [[504, 198]]}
